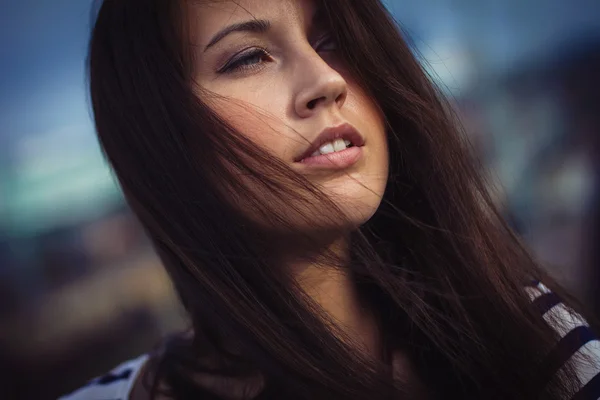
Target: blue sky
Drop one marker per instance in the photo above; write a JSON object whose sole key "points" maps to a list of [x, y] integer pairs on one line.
{"points": [[46, 134], [42, 44]]}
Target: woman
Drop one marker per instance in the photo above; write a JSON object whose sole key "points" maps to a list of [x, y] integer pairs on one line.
{"points": [[306, 189]]}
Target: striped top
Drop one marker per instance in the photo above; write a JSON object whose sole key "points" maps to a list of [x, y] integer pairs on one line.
{"points": [[577, 342], [115, 385]]}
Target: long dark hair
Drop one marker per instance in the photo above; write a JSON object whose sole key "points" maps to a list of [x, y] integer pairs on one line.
{"points": [[437, 262]]}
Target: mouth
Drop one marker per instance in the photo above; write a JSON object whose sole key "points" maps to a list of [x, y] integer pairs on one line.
{"points": [[336, 147]]}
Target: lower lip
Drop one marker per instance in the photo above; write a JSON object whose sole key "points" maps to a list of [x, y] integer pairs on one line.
{"points": [[337, 160]]}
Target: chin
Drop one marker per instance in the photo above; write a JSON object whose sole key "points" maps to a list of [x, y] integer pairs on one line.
{"points": [[357, 201], [357, 205], [359, 213], [354, 196]]}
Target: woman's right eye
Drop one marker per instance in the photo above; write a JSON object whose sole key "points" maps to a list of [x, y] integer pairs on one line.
{"points": [[246, 60]]}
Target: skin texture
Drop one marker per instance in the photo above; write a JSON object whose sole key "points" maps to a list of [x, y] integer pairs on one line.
{"points": [[284, 100]]}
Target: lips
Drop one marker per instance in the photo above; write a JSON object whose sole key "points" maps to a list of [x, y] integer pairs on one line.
{"points": [[345, 132]]}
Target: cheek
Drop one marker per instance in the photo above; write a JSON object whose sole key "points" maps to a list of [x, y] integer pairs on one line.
{"points": [[360, 104], [267, 130], [363, 112]]}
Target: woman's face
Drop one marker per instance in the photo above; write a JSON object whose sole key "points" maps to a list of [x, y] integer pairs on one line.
{"points": [[283, 84]]}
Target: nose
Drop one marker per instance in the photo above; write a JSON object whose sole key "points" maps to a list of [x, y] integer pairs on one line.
{"points": [[319, 87]]}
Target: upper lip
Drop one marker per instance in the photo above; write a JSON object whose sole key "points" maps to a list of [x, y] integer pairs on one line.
{"points": [[343, 131]]}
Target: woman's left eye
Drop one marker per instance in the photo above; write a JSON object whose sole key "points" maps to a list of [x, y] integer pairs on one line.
{"points": [[326, 43]]}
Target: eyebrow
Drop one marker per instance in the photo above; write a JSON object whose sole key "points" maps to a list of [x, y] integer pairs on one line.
{"points": [[256, 26]]}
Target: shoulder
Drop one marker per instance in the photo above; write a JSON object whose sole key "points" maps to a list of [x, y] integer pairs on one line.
{"points": [[115, 385], [577, 342]]}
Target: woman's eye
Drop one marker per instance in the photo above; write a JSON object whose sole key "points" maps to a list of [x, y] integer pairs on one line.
{"points": [[326, 43], [246, 60]]}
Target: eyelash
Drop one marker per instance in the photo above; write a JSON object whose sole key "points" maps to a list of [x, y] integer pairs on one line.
{"points": [[238, 62]]}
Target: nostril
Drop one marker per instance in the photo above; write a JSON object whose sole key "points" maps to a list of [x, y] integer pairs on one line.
{"points": [[313, 103]]}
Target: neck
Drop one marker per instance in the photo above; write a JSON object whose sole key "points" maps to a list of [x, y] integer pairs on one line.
{"points": [[330, 284]]}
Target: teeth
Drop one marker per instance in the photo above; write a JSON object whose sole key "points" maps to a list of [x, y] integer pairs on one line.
{"points": [[333, 146], [327, 148], [339, 145]]}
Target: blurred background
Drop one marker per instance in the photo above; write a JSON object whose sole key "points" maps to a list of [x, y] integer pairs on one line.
{"points": [[80, 288]]}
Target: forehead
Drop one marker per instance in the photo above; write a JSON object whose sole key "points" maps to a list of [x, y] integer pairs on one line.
{"points": [[210, 15]]}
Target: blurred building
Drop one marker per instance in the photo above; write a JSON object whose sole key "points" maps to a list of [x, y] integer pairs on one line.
{"points": [[80, 287]]}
